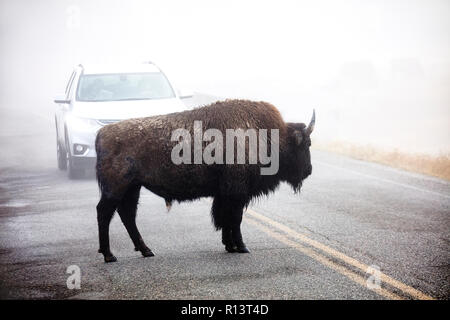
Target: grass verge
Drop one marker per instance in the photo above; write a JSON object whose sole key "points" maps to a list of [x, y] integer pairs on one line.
{"points": [[437, 166]]}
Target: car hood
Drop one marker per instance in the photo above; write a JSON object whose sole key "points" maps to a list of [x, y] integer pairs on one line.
{"points": [[119, 110]]}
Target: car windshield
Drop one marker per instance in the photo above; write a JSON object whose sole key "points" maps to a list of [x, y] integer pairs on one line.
{"points": [[124, 86]]}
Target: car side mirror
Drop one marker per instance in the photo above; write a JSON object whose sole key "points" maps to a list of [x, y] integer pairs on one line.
{"points": [[61, 99], [184, 93]]}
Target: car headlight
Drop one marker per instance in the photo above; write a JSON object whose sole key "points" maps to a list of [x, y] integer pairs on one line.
{"points": [[82, 124]]}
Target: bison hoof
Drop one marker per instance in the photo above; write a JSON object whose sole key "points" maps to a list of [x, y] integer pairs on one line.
{"points": [[110, 258], [147, 253], [242, 250], [230, 249]]}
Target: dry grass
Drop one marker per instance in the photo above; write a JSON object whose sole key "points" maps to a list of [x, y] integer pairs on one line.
{"points": [[438, 166]]}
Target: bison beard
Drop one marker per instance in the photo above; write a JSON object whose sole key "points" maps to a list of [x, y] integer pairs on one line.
{"points": [[137, 152]]}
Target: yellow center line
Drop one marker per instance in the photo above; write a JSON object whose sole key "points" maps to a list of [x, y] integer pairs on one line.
{"points": [[323, 260], [334, 253]]}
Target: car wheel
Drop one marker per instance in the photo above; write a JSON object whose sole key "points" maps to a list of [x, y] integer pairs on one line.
{"points": [[61, 155]]}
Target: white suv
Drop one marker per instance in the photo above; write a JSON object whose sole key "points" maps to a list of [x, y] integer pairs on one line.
{"points": [[99, 95]]}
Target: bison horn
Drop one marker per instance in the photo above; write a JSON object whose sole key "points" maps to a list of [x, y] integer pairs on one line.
{"points": [[310, 128]]}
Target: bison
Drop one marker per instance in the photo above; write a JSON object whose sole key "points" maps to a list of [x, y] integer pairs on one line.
{"points": [[137, 153]]}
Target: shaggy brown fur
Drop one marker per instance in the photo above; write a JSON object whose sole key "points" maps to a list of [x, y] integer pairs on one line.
{"points": [[137, 152]]}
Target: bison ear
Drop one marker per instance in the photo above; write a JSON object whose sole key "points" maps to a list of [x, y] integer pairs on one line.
{"points": [[298, 137]]}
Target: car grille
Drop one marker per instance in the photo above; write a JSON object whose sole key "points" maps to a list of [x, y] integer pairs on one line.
{"points": [[104, 122]]}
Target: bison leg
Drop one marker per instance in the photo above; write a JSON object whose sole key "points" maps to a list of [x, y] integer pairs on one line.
{"points": [[230, 210], [235, 225], [105, 211], [219, 217], [227, 215], [127, 212], [227, 239]]}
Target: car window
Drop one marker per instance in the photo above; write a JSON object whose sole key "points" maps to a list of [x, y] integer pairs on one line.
{"points": [[124, 86]]}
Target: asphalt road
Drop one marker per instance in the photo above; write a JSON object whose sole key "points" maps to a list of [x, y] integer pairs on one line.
{"points": [[356, 231]]}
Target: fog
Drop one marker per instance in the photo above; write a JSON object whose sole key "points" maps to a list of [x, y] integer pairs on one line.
{"points": [[377, 72]]}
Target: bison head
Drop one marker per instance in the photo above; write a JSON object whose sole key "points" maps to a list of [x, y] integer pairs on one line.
{"points": [[298, 155]]}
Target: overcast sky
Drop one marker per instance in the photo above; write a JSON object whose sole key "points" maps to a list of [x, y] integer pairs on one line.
{"points": [[341, 56]]}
